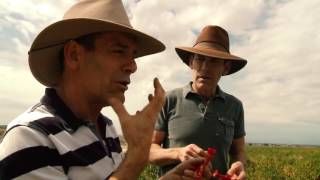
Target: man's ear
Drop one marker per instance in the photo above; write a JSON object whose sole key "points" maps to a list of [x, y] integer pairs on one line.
{"points": [[72, 51], [227, 67]]}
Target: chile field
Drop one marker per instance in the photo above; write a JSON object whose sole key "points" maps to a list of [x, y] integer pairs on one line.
{"points": [[273, 162]]}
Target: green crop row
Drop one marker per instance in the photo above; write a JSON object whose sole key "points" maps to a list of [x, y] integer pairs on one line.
{"points": [[273, 163]]}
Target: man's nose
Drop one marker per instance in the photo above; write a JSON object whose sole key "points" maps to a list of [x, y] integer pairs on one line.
{"points": [[131, 66]]}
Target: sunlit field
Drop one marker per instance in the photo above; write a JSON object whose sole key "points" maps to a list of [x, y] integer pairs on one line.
{"points": [[274, 163]]}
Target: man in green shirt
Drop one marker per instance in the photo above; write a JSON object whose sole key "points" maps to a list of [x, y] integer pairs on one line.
{"points": [[201, 115]]}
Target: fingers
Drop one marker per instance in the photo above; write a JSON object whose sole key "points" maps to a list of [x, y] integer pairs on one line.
{"points": [[187, 178], [183, 171], [150, 97], [199, 151], [242, 176], [237, 171], [232, 170], [118, 108], [159, 92], [192, 154], [158, 89], [155, 102], [189, 173], [191, 151], [235, 168], [196, 151], [190, 164], [207, 171], [210, 168]]}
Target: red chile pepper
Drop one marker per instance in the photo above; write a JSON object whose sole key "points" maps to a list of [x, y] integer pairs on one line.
{"points": [[200, 169]]}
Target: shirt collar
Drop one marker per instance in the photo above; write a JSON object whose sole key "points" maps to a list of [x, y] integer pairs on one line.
{"points": [[188, 90], [59, 108]]}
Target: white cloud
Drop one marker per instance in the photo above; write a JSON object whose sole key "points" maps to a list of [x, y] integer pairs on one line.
{"points": [[21, 21], [281, 81]]}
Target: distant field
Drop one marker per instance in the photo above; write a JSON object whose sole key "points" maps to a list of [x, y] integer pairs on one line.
{"points": [[284, 162], [274, 163]]}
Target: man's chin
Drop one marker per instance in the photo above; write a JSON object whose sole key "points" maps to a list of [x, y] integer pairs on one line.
{"points": [[121, 97], [203, 85]]}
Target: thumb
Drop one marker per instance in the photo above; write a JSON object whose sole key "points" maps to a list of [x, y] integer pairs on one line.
{"points": [[118, 108], [235, 168]]}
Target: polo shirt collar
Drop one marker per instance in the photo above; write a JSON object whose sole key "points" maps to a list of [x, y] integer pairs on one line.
{"points": [[188, 90], [59, 108]]}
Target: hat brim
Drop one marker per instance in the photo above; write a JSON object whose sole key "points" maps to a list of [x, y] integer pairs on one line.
{"points": [[237, 63], [44, 52]]}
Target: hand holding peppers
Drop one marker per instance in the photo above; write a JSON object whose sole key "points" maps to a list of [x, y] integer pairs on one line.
{"points": [[200, 169]]}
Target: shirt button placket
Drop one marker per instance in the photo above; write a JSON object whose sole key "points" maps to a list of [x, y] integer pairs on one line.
{"points": [[202, 107]]}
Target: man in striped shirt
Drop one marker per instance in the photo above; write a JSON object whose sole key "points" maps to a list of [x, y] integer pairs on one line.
{"points": [[85, 61]]}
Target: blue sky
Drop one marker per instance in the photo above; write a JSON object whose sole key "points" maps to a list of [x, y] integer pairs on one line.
{"points": [[279, 87]]}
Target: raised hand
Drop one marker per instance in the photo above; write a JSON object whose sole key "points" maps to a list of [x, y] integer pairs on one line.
{"points": [[137, 129]]}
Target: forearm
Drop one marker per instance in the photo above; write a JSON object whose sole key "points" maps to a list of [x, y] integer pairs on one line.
{"points": [[237, 151], [131, 167], [159, 156], [238, 156]]}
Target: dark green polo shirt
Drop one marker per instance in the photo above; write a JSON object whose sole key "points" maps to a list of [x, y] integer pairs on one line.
{"points": [[186, 119]]}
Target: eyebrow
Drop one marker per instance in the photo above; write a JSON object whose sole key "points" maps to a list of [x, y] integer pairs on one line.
{"points": [[117, 44], [123, 46]]}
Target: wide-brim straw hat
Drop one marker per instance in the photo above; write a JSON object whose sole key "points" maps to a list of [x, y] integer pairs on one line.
{"points": [[85, 17], [213, 41]]}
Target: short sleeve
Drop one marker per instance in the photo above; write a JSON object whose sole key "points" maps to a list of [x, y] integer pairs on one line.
{"points": [[162, 121], [239, 123]]}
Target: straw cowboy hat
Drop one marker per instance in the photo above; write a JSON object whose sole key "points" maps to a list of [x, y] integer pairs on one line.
{"points": [[85, 17], [213, 41]]}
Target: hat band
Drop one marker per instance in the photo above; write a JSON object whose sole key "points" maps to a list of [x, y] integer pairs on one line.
{"points": [[212, 45]]}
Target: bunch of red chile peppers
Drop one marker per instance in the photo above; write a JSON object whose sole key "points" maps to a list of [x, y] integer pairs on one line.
{"points": [[217, 174]]}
